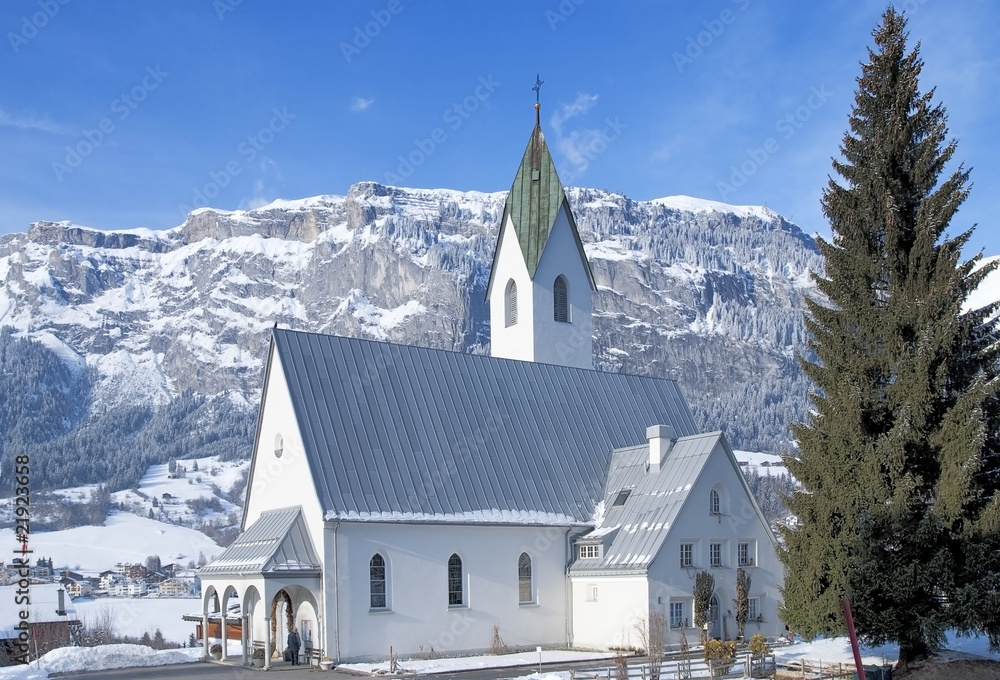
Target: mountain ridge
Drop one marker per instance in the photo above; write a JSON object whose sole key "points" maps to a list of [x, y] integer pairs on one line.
{"points": [[709, 294]]}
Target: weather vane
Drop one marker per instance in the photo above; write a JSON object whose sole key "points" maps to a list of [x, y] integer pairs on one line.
{"points": [[537, 89]]}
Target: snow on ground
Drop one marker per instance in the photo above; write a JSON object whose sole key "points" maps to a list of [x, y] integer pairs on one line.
{"points": [[122, 538], [74, 659], [763, 463], [137, 615], [465, 663], [838, 649], [192, 485], [829, 651]]}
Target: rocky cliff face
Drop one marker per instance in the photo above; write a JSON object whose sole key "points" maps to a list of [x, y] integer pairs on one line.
{"points": [[711, 295]]}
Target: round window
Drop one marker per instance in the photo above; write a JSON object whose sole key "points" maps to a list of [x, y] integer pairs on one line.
{"points": [[279, 446]]}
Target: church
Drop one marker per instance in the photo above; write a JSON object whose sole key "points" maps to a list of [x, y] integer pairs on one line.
{"points": [[421, 501]]}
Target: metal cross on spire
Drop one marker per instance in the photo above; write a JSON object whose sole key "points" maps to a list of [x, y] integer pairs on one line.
{"points": [[537, 89]]}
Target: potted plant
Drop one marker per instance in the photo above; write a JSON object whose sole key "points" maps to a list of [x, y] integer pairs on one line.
{"points": [[326, 663], [257, 657], [216, 651]]}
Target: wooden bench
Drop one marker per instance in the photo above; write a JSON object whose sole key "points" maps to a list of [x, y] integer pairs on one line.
{"points": [[312, 655]]}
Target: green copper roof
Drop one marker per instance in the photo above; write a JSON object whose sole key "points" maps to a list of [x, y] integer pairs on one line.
{"points": [[533, 204], [535, 199]]}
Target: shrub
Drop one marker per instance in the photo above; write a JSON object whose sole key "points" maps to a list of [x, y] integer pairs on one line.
{"points": [[758, 645], [721, 656]]}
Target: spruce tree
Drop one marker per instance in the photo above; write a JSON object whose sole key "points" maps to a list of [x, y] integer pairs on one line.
{"points": [[898, 510]]}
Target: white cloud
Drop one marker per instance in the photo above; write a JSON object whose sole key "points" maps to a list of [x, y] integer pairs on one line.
{"points": [[264, 187], [30, 121], [360, 103], [583, 103], [575, 145]]}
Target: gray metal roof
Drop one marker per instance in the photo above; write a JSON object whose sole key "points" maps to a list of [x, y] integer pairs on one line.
{"points": [[638, 528], [276, 543], [394, 432]]}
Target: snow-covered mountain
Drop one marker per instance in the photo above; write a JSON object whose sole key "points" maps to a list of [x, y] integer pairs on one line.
{"points": [[705, 292]]}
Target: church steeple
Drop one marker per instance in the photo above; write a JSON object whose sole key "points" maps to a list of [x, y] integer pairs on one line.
{"points": [[540, 284]]}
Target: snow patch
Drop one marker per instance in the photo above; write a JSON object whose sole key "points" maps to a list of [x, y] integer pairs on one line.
{"points": [[493, 516], [378, 321], [78, 659], [701, 205]]}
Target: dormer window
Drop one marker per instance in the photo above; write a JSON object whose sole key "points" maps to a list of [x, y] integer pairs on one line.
{"points": [[621, 498], [588, 552]]}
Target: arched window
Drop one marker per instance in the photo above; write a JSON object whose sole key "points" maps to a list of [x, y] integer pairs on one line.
{"points": [[376, 570], [455, 595], [279, 445], [560, 304], [510, 304], [714, 502], [524, 595]]}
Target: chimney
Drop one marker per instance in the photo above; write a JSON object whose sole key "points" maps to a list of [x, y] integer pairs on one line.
{"points": [[61, 611], [661, 440]]}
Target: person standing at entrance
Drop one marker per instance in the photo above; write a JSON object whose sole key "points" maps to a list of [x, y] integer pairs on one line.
{"points": [[293, 645]]}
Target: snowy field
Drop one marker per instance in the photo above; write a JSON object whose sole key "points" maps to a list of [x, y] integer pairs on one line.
{"points": [[211, 476], [131, 536], [122, 538], [135, 616], [763, 463], [210, 479]]}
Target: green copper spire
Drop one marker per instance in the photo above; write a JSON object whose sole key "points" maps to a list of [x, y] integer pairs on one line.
{"points": [[535, 197]]}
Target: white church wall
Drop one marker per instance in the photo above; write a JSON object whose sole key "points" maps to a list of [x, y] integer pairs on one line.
{"points": [[555, 342], [606, 609], [279, 482], [737, 522], [418, 616], [286, 480], [516, 341]]}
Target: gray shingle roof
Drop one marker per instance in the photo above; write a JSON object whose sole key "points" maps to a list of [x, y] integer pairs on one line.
{"points": [[410, 433], [276, 543], [652, 507]]}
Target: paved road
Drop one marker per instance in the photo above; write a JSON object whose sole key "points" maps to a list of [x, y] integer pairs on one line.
{"points": [[216, 671]]}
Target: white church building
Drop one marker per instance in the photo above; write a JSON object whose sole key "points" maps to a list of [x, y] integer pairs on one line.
{"points": [[413, 499]]}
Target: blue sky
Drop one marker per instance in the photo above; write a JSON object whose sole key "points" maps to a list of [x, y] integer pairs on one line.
{"points": [[125, 114]]}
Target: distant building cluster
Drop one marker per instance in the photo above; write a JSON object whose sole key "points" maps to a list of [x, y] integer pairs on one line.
{"points": [[125, 580]]}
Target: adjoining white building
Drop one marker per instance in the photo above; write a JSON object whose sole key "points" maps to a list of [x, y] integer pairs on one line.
{"points": [[414, 498]]}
